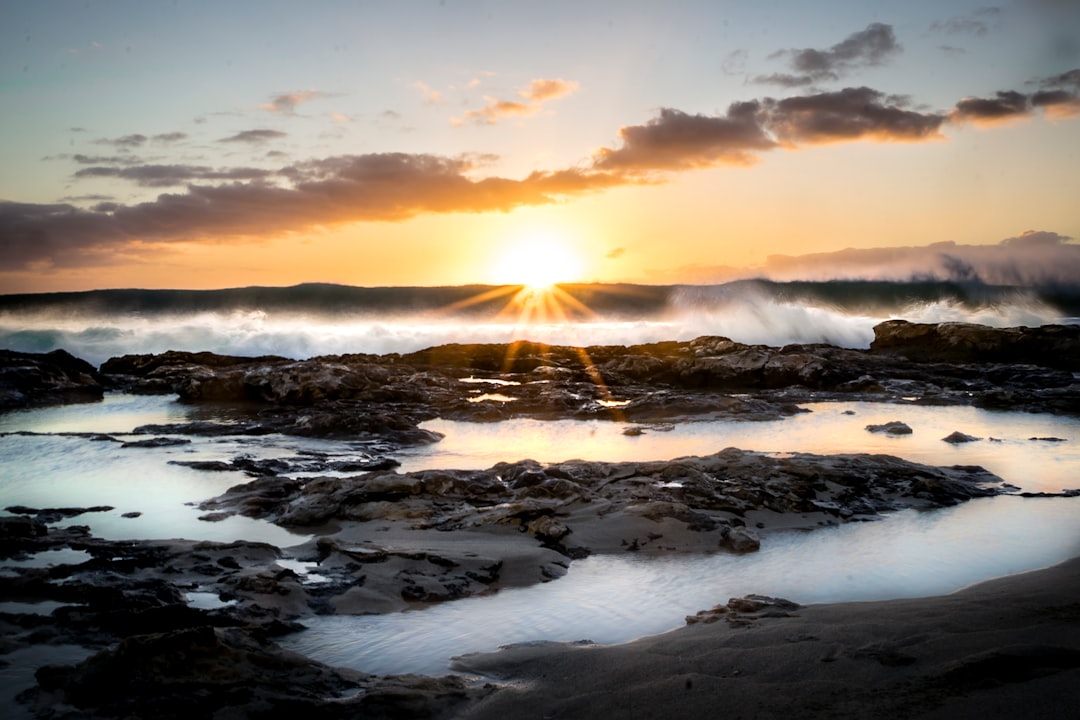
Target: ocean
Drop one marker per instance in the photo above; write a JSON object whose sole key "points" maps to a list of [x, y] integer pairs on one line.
{"points": [[316, 319]]}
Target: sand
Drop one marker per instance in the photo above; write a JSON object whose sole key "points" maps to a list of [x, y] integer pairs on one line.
{"points": [[1007, 648]]}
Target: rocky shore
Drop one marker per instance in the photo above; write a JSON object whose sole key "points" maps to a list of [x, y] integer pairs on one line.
{"points": [[383, 541]]}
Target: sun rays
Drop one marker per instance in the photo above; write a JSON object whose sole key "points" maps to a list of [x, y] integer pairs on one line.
{"points": [[532, 307]]}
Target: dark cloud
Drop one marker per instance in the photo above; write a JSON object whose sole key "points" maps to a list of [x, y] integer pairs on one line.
{"points": [[170, 175], [1005, 105], [104, 159], [873, 46], [170, 137], [1059, 96], [1057, 103], [87, 198], [615, 253], [1070, 78], [127, 142], [848, 114], [676, 140], [253, 136]]}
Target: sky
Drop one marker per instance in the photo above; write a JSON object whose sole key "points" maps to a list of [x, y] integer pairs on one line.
{"points": [[220, 144]]}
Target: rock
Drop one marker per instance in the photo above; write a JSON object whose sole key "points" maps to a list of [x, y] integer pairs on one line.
{"points": [[21, 527], [156, 442], [57, 377], [741, 540], [196, 672], [1055, 346], [958, 437], [893, 427]]}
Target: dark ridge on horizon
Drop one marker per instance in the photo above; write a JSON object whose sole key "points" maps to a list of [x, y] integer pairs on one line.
{"points": [[329, 298], [609, 300]]}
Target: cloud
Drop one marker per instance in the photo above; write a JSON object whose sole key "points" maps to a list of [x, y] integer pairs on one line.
{"points": [[848, 114], [1034, 258], [169, 175], [319, 193], [615, 253], [978, 23], [675, 140], [873, 46], [1006, 105], [104, 159], [286, 103], [533, 97], [170, 137], [431, 95], [1060, 95], [253, 136], [1036, 238], [1058, 98], [127, 142]]}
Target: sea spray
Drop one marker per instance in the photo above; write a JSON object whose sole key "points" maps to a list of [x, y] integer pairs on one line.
{"points": [[311, 321]]}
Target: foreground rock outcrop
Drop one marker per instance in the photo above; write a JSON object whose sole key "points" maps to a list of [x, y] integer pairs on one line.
{"points": [[57, 377]]}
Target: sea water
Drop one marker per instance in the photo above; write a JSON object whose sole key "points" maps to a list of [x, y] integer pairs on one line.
{"points": [[605, 598]]}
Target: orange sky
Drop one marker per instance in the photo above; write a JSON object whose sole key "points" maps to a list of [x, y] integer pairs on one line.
{"points": [[152, 146]]}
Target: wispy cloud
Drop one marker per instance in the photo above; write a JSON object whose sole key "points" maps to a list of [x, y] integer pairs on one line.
{"points": [[253, 136], [126, 142], [873, 46], [978, 23], [431, 95], [286, 103], [532, 99], [170, 175]]}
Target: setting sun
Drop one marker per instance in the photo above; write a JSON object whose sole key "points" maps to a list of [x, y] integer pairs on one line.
{"points": [[537, 261]]}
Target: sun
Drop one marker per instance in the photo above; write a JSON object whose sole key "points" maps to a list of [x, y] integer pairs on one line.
{"points": [[537, 261]]}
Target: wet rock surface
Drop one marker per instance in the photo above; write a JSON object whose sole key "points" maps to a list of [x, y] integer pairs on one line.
{"points": [[32, 379], [156, 654]]}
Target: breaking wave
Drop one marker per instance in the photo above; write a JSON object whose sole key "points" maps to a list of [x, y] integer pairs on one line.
{"points": [[301, 323]]}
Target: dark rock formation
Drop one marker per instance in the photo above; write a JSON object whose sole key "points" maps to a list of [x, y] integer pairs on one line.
{"points": [[31, 379], [957, 438], [893, 427], [1054, 346]]}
